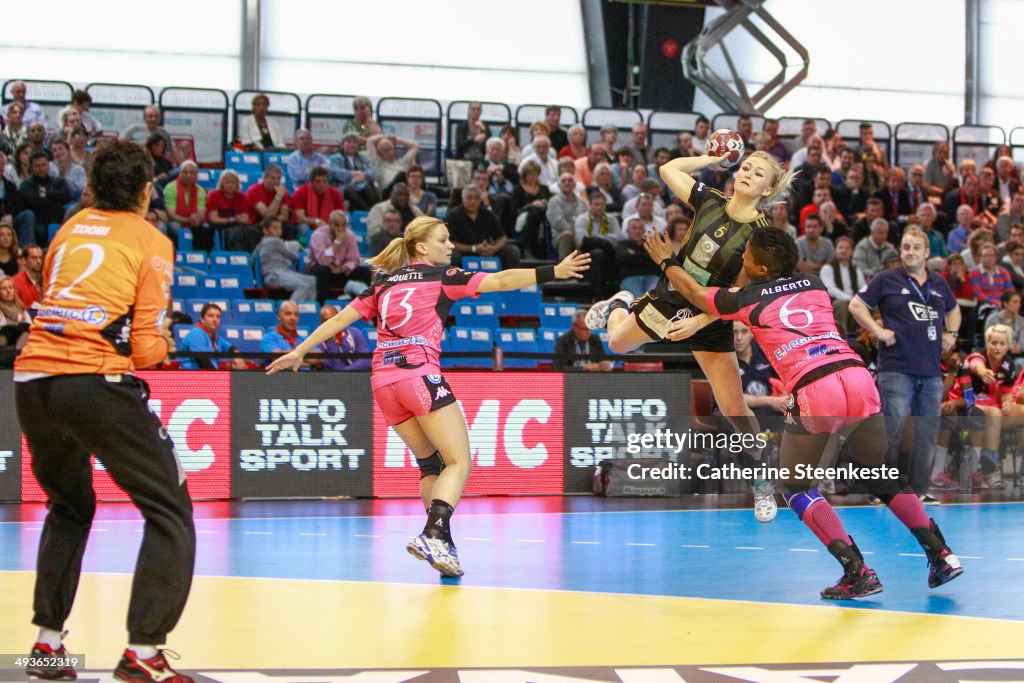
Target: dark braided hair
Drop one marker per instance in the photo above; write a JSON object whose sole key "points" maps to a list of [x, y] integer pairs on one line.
{"points": [[775, 250], [120, 171]]}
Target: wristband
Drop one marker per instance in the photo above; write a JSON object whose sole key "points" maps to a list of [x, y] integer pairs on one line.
{"points": [[665, 263], [474, 248], [545, 274]]}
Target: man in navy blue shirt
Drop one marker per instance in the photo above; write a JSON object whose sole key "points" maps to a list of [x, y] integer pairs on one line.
{"points": [[920, 320]]}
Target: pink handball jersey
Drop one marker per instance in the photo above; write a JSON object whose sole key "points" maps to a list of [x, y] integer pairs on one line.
{"points": [[792, 320], [410, 307]]}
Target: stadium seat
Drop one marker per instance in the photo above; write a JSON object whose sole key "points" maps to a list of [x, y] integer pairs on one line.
{"points": [[558, 316], [186, 286], [487, 264], [192, 261], [471, 339], [185, 239], [256, 312], [517, 341], [245, 338], [250, 163], [357, 222], [181, 331], [478, 313], [546, 338], [523, 302], [309, 314], [194, 307], [229, 262]]}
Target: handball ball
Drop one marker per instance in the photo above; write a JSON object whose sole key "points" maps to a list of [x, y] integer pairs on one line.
{"points": [[726, 143]]}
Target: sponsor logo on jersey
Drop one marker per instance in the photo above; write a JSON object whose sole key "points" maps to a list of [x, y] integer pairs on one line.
{"points": [[434, 378], [94, 230], [91, 315], [406, 341], [704, 251], [54, 328], [451, 271], [699, 274], [442, 393], [921, 312]]}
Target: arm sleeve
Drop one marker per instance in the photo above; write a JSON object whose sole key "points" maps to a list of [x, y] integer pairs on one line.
{"points": [[151, 302], [459, 284], [699, 194], [872, 293], [724, 303], [366, 303]]}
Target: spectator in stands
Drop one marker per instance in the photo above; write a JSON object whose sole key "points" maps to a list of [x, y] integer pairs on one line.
{"points": [[537, 128], [867, 255], [653, 188], [334, 259], [958, 236], [955, 274], [529, 203], [916, 188], [1008, 314], [140, 132], [35, 134], [42, 200], [873, 210], [637, 274], [14, 317], [553, 121], [868, 151], [20, 169], [939, 173], [513, 153], [745, 127], [808, 130], [257, 132], [203, 338], [638, 148], [390, 168], [471, 135], [419, 196], [977, 239], [363, 124], [186, 205], [69, 120], [637, 177], [80, 103], [227, 210], [545, 160], [684, 145], [29, 280], [1013, 216], [894, 196], [8, 250], [391, 229], [842, 279], [775, 146], [269, 197], [33, 112], [584, 166], [846, 161], [595, 233], [1016, 235], [349, 340], [277, 259], [700, 135], [677, 228], [314, 201], [503, 175], [399, 201], [835, 145], [14, 130], [852, 198], [304, 158], [833, 225], [799, 157], [576, 148], [164, 170], [645, 210], [661, 157], [814, 250], [989, 280], [778, 217], [580, 340], [567, 165], [821, 195], [355, 173], [967, 167], [967, 195], [1009, 179], [604, 181], [991, 204], [563, 210], [80, 153], [285, 337], [1013, 262], [609, 141], [474, 230], [63, 166], [925, 218], [803, 183]]}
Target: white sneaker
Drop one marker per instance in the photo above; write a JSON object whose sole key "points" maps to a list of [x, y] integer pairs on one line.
{"points": [[597, 316], [438, 553], [765, 507]]}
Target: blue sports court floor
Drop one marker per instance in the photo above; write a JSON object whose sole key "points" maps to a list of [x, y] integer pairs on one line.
{"points": [[568, 589]]}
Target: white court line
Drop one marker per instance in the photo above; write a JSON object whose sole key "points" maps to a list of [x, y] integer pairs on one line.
{"points": [[748, 547], [471, 538], [258, 533], [586, 542], [913, 555], [530, 540], [803, 550], [1015, 559], [363, 535], [309, 533], [644, 545], [694, 546], [970, 557]]}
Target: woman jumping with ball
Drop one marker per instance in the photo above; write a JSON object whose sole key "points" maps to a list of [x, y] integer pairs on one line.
{"points": [[410, 305], [712, 253]]}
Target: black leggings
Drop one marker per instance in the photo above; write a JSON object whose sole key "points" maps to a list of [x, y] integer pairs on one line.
{"points": [[65, 419]]}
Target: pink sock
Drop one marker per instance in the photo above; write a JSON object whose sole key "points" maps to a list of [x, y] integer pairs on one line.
{"points": [[821, 518], [907, 507]]}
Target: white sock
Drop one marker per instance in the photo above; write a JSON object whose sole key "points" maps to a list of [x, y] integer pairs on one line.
{"points": [[49, 637], [941, 454], [975, 457], [143, 651]]}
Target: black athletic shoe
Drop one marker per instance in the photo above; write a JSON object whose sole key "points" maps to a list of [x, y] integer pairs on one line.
{"points": [[850, 587], [48, 664], [943, 565]]}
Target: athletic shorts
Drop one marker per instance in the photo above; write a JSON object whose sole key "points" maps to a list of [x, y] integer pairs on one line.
{"points": [[411, 397], [655, 311], [836, 400]]}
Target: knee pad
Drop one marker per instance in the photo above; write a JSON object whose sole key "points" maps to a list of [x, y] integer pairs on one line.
{"points": [[802, 501], [431, 465]]}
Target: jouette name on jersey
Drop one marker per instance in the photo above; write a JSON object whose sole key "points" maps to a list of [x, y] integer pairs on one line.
{"points": [[789, 286], [405, 277]]}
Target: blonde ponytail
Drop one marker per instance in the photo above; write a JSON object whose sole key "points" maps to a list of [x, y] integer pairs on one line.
{"points": [[399, 250]]}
